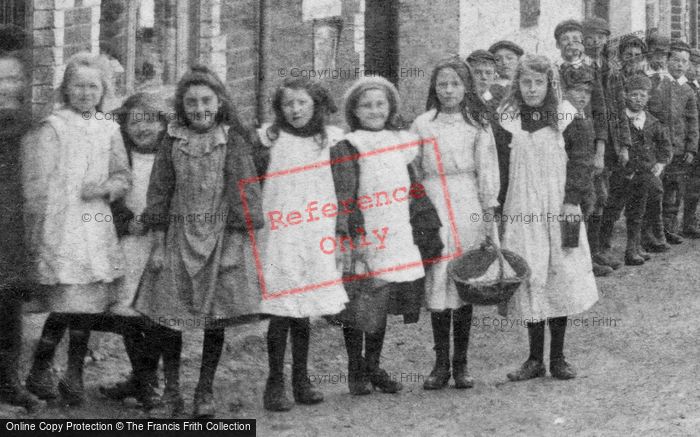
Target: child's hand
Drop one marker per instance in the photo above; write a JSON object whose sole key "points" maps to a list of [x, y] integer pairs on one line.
{"points": [[137, 227], [688, 158], [91, 191], [624, 156]]}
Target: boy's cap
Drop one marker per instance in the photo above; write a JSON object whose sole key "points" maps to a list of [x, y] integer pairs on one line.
{"points": [[695, 56], [572, 76], [658, 43], [508, 45], [678, 45], [567, 26], [638, 82], [631, 41], [596, 25], [480, 56]]}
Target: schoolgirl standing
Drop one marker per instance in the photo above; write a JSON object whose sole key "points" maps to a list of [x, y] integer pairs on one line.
{"points": [[200, 274], [142, 120], [290, 257], [470, 164], [562, 281], [371, 106], [74, 165]]}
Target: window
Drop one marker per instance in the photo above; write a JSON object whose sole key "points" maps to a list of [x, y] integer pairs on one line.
{"points": [[14, 12], [150, 39], [326, 39], [529, 12]]}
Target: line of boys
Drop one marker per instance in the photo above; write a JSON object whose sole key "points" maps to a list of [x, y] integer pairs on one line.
{"points": [[644, 114]]}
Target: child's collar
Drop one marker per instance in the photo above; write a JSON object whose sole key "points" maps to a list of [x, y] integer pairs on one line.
{"points": [[178, 130]]}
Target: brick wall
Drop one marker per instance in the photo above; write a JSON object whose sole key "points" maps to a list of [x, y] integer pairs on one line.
{"points": [[239, 24], [426, 35], [60, 28], [259, 47]]}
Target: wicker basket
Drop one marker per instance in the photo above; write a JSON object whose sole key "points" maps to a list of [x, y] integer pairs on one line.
{"points": [[474, 264]]}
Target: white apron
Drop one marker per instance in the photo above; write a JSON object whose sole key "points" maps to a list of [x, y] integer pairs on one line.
{"points": [[294, 267], [398, 258], [562, 281]]}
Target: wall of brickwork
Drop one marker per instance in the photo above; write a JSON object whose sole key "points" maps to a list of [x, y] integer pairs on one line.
{"points": [[60, 28]]}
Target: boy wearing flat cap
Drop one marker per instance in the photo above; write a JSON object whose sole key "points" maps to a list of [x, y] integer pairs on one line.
{"points": [[673, 102], [658, 49], [507, 54], [635, 182], [483, 65], [596, 33], [569, 40], [595, 36], [579, 139]]}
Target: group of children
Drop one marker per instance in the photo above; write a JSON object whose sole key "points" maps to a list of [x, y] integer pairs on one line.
{"points": [[154, 272]]}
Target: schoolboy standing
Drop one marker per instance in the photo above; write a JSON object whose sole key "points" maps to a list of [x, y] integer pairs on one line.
{"points": [[673, 102], [637, 176], [596, 33], [569, 39], [507, 56]]}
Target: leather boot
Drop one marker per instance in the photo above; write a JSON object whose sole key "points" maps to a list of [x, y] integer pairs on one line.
{"points": [[601, 270], [641, 252], [274, 398], [558, 366], [378, 377], [461, 322], [169, 343], [690, 226], [534, 366], [41, 381], [11, 389], [671, 229], [632, 256], [440, 375], [652, 243], [302, 389], [358, 382], [71, 385], [204, 405]]}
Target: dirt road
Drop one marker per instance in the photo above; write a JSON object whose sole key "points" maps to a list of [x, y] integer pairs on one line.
{"points": [[637, 352]]}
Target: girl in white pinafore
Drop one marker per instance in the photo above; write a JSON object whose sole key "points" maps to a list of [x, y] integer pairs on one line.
{"points": [[562, 281], [371, 107], [73, 166], [298, 279], [469, 161]]}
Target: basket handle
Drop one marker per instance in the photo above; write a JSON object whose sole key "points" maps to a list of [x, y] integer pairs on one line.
{"points": [[494, 242]]}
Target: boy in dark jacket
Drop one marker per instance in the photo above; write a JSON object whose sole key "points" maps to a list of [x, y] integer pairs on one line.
{"points": [[579, 140], [636, 178], [596, 33], [672, 101], [569, 39]]}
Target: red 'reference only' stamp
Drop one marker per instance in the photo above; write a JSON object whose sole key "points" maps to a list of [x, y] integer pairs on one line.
{"points": [[372, 239]]}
